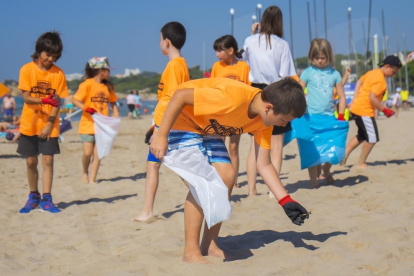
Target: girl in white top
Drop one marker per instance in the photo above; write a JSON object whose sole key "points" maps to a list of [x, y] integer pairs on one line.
{"points": [[270, 60], [396, 101]]}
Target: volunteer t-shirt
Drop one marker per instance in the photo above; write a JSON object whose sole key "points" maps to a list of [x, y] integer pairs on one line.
{"points": [[373, 81], [40, 84], [320, 84], [239, 71], [97, 96], [221, 108], [175, 73]]}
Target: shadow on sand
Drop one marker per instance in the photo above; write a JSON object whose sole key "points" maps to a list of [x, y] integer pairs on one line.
{"points": [[119, 178], [11, 156], [64, 205]]}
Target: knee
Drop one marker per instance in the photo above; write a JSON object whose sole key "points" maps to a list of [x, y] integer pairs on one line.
{"points": [[47, 160], [31, 162], [153, 166]]}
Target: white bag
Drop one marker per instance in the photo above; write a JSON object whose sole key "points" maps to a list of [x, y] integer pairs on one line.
{"points": [[205, 183], [106, 128]]}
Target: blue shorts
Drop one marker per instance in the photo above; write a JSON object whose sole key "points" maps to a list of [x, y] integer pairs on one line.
{"points": [[8, 112]]}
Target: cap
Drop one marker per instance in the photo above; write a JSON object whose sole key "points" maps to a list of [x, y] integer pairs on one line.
{"points": [[391, 60], [398, 89], [99, 63]]}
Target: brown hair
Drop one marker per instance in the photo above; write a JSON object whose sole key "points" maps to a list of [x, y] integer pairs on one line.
{"points": [[320, 45], [92, 72], [286, 96], [272, 23]]}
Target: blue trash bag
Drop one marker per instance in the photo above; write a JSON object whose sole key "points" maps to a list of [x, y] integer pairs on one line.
{"points": [[300, 130], [328, 142], [64, 126]]}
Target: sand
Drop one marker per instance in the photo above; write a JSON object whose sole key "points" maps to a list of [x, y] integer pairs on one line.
{"points": [[361, 225]]}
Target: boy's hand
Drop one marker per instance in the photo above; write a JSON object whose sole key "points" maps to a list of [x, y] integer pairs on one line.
{"points": [[159, 146], [45, 132], [294, 210], [90, 110], [341, 117], [52, 99], [387, 112], [348, 71], [255, 27]]}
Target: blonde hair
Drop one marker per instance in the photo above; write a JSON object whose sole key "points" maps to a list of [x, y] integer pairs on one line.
{"points": [[320, 45]]}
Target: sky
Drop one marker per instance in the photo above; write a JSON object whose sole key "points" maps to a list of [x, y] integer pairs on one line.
{"points": [[127, 31]]}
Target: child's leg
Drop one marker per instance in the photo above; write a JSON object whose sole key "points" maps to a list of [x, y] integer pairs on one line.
{"points": [[32, 172], [209, 243], [47, 176], [276, 150], [251, 169], [327, 172], [234, 154], [94, 165], [151, 186], [313, 175], [86, 160], [366, 149]]}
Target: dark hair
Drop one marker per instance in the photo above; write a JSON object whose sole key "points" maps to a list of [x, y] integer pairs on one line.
{"points": [[175, 32], [226, 42], [92, 72], [50, 43], [286, 96], [272, 23]]}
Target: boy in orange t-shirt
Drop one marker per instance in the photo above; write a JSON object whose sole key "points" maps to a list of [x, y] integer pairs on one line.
{"points": [[368, 95], [42, 84], [172, 39], [214, 107]]}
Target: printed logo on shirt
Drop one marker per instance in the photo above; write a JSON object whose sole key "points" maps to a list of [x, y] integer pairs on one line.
{"points": [[161, 86], [216, 128], [42, 90], [101, 100], [233, 77]]}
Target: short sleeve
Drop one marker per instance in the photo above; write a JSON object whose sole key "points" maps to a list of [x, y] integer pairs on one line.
{"points": [[378, 85], [338, 78], [62, 90], [287, 67], [24, 80], [305, 75], [112, 97], [263, 137], [214, 70], [82, 92], [246, 52]]}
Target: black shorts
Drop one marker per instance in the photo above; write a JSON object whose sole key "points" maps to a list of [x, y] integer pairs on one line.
{"points": [[277, 130], [33, 145], [131, 107], [367, 129]]}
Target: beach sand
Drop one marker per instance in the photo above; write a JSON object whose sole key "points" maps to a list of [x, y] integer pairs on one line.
{"points": [[361, 225]]}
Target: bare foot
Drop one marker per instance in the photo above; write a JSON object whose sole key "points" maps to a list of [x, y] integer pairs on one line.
{"points": [[321, 176], [93, 182], [252, 193], [85, 178], [215, 251], [362, 167], [143, 217], [330, 180], [315, 185], [343, 163], [271, 195], [195, 258]]}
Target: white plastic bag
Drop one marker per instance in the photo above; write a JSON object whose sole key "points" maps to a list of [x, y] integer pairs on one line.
{"points": [[205, 183], [106, 128]]}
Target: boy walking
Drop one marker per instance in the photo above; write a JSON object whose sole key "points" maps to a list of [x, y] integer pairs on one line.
{"points": [[172, 39], [201, 111], [369, 92], [42, 84]]}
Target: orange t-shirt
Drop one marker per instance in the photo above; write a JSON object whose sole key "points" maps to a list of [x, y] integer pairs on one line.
{"points": [[175, 73], [40, 84], [373, 81], [97, 96], [220, 108], [239, 71]]}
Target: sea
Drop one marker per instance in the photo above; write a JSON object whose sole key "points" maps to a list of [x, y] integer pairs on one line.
{"points": [[122, 105]]}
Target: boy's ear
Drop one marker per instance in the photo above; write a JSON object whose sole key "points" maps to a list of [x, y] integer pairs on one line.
{"points": [[268, 108], [167, 43]]}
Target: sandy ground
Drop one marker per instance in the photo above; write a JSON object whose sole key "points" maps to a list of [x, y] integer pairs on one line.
{"points": [[361, 225]]}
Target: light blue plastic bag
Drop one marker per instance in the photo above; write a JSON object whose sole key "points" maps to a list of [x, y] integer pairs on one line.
{"points": [[328, 142], [300, 130]]}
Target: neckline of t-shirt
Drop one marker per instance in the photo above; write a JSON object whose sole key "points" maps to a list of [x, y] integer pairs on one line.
{"points": [[40, 70], [322, 69]]}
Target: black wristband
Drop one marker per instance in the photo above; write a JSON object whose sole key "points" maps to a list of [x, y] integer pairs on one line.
{"points": [[51, 119]]}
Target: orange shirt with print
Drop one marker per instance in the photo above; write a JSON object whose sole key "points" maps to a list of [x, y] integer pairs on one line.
{"points": [[40, 84], [239, 71], [373, 81], [221, 108], [175, 73], [97, 96]]}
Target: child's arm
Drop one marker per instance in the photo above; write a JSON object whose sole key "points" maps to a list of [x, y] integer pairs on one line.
{"points": [[357, 87], [342, 99], [345, 76], [181, 98], [293, 210], [301, 82], [77, 103], [115, 110], [47, 129], [255, 28], [52, 99]]}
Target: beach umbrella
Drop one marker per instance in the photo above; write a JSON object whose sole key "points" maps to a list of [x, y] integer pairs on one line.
{"points": [[3, 90]]}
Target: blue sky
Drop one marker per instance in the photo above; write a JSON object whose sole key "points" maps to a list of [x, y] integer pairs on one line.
{"points": [[128, 31]]}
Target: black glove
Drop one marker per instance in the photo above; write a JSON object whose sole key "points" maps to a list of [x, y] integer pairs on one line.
{"points": [[148, 135], [294, 210]]}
